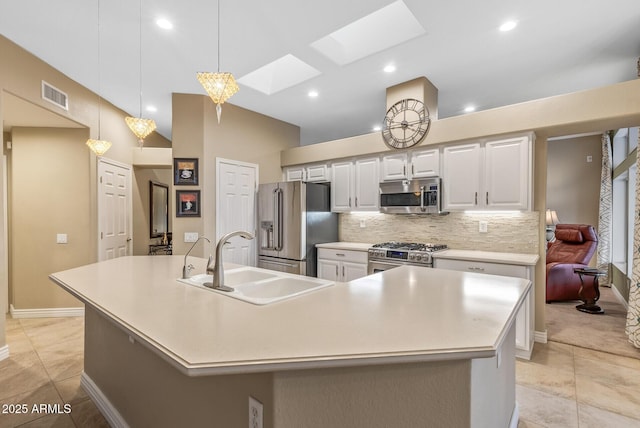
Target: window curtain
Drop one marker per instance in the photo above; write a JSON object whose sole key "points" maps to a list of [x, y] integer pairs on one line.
{"points": [[633, 313], [605, 211]]}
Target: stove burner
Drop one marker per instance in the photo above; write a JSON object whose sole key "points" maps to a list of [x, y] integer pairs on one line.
{"points": [[410, 246]]}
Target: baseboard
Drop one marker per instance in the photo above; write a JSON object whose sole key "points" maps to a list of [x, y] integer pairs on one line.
{"points": [[619, 297], [109, 412], [4, 352], [540, 336], [46, 312], [515, 416]]}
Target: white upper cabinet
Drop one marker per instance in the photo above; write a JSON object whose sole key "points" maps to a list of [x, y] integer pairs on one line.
{"points": [[317, 173], [461, 180], [494, 175], [425, 163], [354, 185], [394, 167], [367, 185], [507, 175], [415, 164], [341, 186]]}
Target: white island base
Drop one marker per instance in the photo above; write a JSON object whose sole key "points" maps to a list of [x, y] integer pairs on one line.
{"points": [[134, 387], [408, 347]]}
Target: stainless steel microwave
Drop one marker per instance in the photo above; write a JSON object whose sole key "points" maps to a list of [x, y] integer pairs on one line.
{"points": [[422, 196]]}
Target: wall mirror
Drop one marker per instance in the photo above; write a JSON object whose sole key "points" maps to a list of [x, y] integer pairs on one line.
{"points": [[159, 209]]}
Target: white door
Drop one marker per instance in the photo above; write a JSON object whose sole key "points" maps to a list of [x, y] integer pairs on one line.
{"points": [[114, 210], [236, 186]]}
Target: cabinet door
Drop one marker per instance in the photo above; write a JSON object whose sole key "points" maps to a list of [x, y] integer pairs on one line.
{"points": [[341, 186], [507, 174], [461, 180], [295, 173], [394, 167], [351, 271], [425, 163], [367, 185], [329, 269], [317, 173]]}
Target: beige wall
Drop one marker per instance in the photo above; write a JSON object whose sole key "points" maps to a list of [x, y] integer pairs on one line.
{"points": [[49, 195], [242, 135], [20, 76], [573, 184]]}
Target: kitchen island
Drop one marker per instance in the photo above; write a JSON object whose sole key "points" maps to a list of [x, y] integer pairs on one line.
{"points": [[408, 347]]}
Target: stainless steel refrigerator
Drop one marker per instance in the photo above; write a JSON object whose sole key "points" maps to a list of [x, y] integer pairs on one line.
{"points": [[293, 217]]}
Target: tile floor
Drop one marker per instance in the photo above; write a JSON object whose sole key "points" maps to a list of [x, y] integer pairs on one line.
{"points": [[44, 366], [562, 386]]}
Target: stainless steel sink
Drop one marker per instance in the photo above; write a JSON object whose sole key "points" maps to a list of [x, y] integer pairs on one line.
{"points": [[260, 286]]}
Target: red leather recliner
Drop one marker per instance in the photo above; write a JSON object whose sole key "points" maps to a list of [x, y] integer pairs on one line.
{"points": [[573, 248]]}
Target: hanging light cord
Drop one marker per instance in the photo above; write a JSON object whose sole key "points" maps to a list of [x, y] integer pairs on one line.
{"points": [[218, 2], [99, 97], [140, 57]]}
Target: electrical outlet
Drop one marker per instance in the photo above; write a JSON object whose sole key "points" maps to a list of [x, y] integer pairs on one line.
{"points": [[589, 158], [363, 224], [483, 227], [190, 236], [61, 238], [255, 413]]}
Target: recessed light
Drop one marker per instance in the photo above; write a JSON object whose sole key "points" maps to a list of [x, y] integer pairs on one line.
{"points": [[152, 109], [377, 128], [164, 23], [390, 68], [313, 94], [469, 109], [508, 26]]}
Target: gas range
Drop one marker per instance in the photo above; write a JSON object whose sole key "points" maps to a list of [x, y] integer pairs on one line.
{"points": [[392, 254]]}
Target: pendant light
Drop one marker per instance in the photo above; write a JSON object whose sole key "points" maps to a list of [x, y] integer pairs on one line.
{"points": [[220, 85], [139, 126], [99, 147]]}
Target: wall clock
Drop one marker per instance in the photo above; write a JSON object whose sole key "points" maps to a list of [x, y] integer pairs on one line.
{"points": [[406, 124]]}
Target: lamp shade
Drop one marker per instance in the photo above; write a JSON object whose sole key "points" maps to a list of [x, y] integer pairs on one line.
{"points": [[140, 127], [99, 147], [552, 218]]}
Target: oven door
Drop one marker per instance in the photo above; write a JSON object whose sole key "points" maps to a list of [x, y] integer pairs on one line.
{"points": [[375, 266]]}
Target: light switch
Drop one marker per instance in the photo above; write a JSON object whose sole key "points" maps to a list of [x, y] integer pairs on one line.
{"points": [[483, 227], [190, 236], [61, 238]]}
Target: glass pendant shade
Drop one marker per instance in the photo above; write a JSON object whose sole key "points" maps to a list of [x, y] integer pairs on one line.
{"points": [[99, 147], [219, 86], [140, 127]]}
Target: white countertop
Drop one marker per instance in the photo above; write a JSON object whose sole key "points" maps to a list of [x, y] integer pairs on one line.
{"points": [[488, 256], [400, 315], [355, 246]]}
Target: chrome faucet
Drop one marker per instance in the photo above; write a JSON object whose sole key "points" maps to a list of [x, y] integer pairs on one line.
{"points": [[187, 269], [217, 270]]}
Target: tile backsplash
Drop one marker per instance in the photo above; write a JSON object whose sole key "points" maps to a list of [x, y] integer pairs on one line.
{"points": [[511, 232]]}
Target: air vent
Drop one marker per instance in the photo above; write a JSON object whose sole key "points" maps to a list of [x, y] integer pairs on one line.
{"points": [[55, 95]]}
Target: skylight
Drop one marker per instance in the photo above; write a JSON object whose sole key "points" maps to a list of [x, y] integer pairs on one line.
{"points": [[365, 37], [280, 74]]}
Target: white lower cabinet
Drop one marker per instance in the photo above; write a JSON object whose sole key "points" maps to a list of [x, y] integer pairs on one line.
{"points": [[341, 265], [526, 316]]}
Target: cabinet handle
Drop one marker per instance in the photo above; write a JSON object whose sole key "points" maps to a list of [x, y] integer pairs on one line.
{"points": [[412, 169], [340, 254], [476, 203], [487, 198], [356, 201], [476, 269], [404, 170], [342, 272], [349, 201], [336, 271]]}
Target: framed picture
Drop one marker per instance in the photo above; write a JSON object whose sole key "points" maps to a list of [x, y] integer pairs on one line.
{"points": [[185, 171], [187, 203]]}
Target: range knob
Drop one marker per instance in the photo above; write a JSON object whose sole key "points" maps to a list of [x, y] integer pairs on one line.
{"points": [[418, 257], [412, 256]]}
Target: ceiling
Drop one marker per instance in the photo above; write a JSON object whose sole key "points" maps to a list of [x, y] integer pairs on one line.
{"points": [[558, 47]]}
